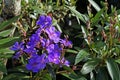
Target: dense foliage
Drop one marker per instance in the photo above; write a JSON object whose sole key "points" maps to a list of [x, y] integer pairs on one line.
{"points": [[52, 40]]}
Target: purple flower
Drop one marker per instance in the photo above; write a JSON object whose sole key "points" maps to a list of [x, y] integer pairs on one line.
{"points": [[57, 48], [34, 40], [18, 54], [44, 21], [54, 48], [66, 43], [53, 34], [64, 62], [30, 50], [54, 58], [50, 48], [47, 43], [37, 63], [39, 31], [19, 48], [44, 42]]}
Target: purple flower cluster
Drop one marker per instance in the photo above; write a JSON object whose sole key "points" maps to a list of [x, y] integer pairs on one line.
{"points": [[43, 47]]}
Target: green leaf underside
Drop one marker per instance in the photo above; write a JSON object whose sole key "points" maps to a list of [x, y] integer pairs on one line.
{"points": [[113, 69]]}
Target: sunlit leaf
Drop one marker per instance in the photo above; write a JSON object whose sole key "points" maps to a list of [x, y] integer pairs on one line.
{"points": [[5, 33], [118, 61], [92, 76], [37, 9], [85, 34], [89, 66], [80, 56], [71, 51], [6, 50], [95, 5]]}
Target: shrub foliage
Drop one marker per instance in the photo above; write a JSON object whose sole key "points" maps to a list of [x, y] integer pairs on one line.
{"points": [[65, 43]]}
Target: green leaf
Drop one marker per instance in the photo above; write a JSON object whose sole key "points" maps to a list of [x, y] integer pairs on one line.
{"points": [[51, 71], [0, 1], [73, 76], [92, 76], [89, 66], [97, 16], [113, 69], [102, 74], [6, 40], [84, 31], [5, 33], [17, 76], [19, 69], [6, 53], [78, 14], [80, 56], [2, 67], [118, 61], [71, 51], [55, 23], [99, 44], [46, 77], [6, 50], [69, 69], [4, 24], [95, 5], [17, 73]]}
